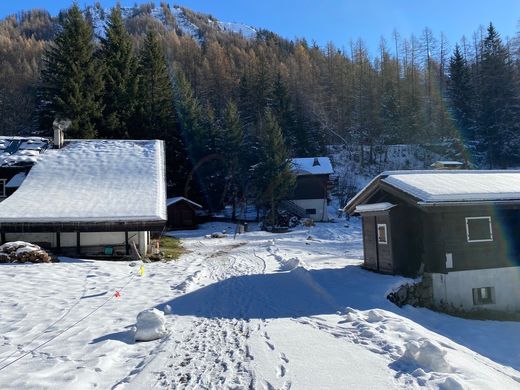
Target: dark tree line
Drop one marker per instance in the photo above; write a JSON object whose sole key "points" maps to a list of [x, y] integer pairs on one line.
{"points": [[230, 107]]}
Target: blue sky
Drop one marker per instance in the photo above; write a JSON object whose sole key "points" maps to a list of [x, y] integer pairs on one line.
{"points": [[340, 20]]}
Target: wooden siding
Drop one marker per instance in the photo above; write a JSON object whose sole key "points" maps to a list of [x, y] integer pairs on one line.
{"points": [[181, 215], [310, 187], [370, 243]]}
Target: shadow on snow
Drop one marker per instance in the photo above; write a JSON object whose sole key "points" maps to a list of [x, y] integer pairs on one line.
{"points": [[301, 292]]}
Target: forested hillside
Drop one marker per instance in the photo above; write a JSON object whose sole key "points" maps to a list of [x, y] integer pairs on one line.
{"points": [[227, 97]]}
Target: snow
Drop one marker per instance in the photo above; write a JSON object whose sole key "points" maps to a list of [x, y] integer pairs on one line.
{"points": [[312, 166], [456, 186], [150, 325], [21, 150], [102, 180], [177, 199], [363, 208], [16, 181], [263, 311], [238, 28]]}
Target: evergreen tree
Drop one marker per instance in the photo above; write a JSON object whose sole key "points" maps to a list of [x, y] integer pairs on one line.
{"points": [[499, 106], [282, 109], [462, 96], [274, 179], [120, 78], [155, 112], [155, 116], [71, 85], [232, 143]]}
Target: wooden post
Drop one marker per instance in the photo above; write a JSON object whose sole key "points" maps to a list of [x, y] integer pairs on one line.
{"points": [[58, 241], [127, 245], [78, 243]]}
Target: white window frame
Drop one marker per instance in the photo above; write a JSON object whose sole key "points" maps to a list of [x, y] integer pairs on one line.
{"points": [[490, 229], [386, 233], [3, 194]]}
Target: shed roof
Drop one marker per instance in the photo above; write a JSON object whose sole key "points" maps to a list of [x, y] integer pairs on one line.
{"points": [[312, 166], [16, 181], [25, 151], [177, 199], [367, 208], [92, 181], [447, 187]]}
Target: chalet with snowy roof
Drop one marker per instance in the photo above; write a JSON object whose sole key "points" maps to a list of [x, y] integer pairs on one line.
{"points": [[89, 196], [461, 228], [181, 213], [310, 196]]}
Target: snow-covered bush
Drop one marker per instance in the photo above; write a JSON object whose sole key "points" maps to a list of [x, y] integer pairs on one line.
{"points": [[23, 252], [150, 325]]}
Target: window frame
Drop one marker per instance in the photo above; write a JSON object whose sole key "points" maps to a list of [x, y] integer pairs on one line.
{"points": [[490, 239], [309, 211], [479, 300], [383, 225]]}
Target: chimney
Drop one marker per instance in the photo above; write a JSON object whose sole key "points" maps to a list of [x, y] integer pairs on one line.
{"points": [[59, 127], [316, 162]]}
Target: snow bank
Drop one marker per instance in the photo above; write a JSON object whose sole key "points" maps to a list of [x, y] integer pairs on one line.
{"points": [[150, 325], [426, 354]]}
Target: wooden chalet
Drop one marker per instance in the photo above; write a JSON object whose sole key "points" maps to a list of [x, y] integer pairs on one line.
{"points": [[310, 196], [181, 213], [89, 197], [458, 228]]}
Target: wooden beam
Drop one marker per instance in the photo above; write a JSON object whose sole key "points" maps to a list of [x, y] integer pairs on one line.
{"points": [[58, 241], [78, 243], [3, 237], [127, 245]]}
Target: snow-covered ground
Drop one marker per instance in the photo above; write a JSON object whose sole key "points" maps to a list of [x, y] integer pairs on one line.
{"points": [[262, 311]]}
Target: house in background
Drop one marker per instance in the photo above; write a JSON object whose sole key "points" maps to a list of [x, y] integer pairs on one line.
{"points": [[181, 213], [86, 195], [310, 196], [461, 229], [17, 156]]}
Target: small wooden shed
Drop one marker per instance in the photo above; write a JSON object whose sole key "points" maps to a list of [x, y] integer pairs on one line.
{"points": [[181, 213], [458, 228]]}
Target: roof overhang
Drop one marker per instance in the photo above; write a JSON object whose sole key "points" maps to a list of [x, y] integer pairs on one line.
{"points": [[109, 226]]}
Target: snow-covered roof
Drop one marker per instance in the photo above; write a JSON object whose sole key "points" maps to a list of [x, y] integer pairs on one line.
{"points": [[177, 199], [366, 208], [16, 181], [16, 151], [456, 186], [312, 166], [93, 181]]}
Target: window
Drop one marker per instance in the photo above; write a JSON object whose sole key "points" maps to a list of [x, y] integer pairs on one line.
{"points": [[2, 188], [310, 211], [483, 295], [449, 260], [381, 233], [478, 229]]}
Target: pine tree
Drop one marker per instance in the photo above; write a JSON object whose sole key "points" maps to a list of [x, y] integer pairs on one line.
{"points": [[274, 179], [155, 116], [232, 143], [155, 113], [120, 78], [71, 85], [499, 105], [462, 96], [282, 109]]}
